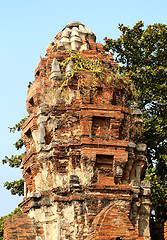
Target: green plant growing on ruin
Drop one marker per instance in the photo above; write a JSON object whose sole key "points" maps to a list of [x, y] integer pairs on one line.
{"points": [[98, 71], [81, 63]]}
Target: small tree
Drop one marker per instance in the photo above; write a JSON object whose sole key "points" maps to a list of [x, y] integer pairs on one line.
{"points": [[142, 55], [16, 187]]}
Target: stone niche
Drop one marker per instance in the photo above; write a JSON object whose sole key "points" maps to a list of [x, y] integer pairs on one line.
{"points": [[84, 164], [104, 170], [100, 127]]}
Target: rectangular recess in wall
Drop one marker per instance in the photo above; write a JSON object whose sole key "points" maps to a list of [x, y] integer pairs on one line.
{"points": [[104, 170], [100, 127]]}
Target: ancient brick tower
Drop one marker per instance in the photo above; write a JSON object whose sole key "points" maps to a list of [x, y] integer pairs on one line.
{"points": [[84, 165]]}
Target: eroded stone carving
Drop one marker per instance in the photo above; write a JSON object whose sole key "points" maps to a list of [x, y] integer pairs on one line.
{"points": [[73, 36], [55, 71], [69, 67], [41, 122]]}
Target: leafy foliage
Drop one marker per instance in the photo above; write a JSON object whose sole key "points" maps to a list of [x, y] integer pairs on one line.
{"points": [[97, 69], [19, 144], [2, 221], [16, 187], [142, 55], [18, 126], [13, 161], [81, 63], [29, 84]]}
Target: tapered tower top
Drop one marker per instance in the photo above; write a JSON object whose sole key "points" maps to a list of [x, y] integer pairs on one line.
{"points": [[73, 36]]}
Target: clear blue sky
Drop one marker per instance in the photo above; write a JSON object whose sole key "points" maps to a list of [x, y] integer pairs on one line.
{"points": [[26, 29]]}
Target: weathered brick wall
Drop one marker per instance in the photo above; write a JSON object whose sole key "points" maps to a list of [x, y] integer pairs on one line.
{"points": [[19, 227], [165, 231], [84, 165]]}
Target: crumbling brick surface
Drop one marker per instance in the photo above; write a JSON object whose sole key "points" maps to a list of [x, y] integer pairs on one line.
{"points": [[19, 227], [165, 230], [84, 165]]}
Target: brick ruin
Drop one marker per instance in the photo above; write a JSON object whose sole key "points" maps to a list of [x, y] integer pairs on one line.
{"points": [[84, 164], [165, 230]]}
